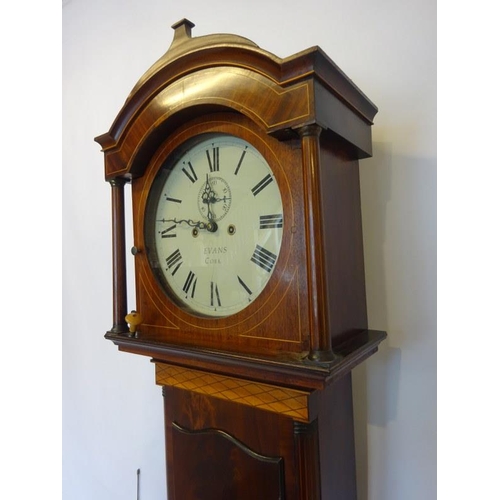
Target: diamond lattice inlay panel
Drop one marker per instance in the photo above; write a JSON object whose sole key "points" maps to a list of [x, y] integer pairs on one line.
{"points": [[290, 402]]}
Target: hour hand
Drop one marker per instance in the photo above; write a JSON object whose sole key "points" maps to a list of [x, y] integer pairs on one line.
{"points": [[210, 226], [207, 197], [224, 198]]}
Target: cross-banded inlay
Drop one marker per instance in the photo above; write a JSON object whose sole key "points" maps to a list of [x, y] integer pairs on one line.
{"points": [[290, 402]]}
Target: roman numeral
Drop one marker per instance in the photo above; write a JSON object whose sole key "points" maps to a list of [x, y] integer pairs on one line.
{"points": [[240, 162], [214, 294], [264, 258], [213, 162], [174, 259], [244, 285], [262, 184], [271, 221], [175, 200], [190, 282], [191, 176], [166, 232]]}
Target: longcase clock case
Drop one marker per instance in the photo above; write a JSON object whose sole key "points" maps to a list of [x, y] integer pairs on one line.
{"points": [[258, 404]]}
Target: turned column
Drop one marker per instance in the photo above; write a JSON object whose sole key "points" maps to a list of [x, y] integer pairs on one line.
{"points": [[119, 265], [321, 343]]}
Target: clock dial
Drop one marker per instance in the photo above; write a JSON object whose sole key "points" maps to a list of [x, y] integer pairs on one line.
{"points": [[214, 223]]}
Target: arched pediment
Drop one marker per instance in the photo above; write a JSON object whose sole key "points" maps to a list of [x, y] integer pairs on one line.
{"points": [[229, 72]]}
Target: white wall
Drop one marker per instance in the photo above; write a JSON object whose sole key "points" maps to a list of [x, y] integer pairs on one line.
{"points": [[112, 410]]}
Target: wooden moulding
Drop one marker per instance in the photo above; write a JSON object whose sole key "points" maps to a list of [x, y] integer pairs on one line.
{"points": [[302, 375]]}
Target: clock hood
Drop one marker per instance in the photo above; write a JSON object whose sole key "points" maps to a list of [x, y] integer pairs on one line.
{"points": [[219, 72]]}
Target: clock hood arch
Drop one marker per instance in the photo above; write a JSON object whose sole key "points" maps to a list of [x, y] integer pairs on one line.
{"points": [[223, 88], [209, 72]]}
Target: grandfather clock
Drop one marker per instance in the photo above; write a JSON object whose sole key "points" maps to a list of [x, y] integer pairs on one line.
{"points": [[249, 268]]}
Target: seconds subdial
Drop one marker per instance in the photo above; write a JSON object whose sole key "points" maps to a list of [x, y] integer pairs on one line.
{"points": [[214, 199]]}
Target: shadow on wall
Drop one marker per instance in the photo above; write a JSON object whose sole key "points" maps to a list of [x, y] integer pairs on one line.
{"points": [[398, 194], [378, 409], [375, 397]]}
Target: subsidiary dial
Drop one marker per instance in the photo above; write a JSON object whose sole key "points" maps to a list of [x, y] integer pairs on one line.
{"points": [[214, 198]]}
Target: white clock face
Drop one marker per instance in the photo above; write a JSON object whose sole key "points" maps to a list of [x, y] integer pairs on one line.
{"points": [[214, 225]]}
